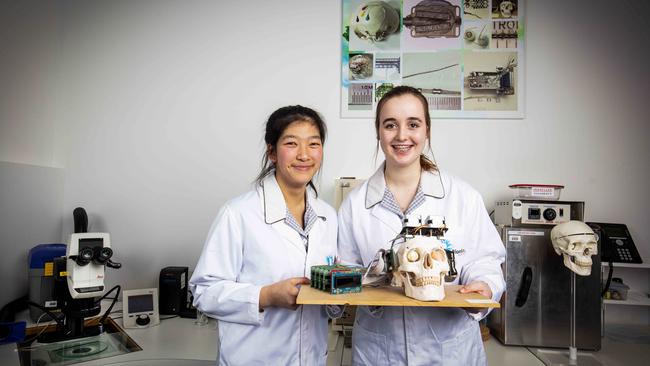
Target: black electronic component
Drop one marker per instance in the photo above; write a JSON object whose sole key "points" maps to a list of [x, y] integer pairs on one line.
{"points": [[549, 214], [84, 257], [534, 213], [451, 258], [142, 320], [80, 220], [173, 295]]}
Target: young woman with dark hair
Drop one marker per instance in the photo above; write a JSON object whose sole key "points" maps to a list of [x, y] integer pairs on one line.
{"points": [[260, 250]]}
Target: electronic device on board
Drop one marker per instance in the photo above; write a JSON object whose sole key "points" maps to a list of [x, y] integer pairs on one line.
{"points": [[337, 279]]}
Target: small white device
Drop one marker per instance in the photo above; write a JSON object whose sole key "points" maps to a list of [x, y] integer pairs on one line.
{"points": [[531, 212], [87, 255], [140, 308]]}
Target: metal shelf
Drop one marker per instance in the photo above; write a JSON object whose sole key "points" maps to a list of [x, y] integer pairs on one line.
{"points": [[633, 298], [627, 265]]}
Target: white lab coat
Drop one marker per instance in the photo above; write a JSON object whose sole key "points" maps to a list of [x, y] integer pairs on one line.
{"points": [[415, 335], [250, 246]]}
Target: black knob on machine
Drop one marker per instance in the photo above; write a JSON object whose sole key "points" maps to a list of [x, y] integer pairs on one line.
{"points": [[549, 214], [142, 320]]}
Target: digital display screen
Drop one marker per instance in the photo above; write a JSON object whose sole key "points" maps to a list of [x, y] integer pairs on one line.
{"points": [[91, 243], [345, 281], [140, 303], [533, 213], [617, 232]]}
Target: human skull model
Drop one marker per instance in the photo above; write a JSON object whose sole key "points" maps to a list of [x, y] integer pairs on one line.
{"points": [[375, 21], [577, 243], [506, 8], [422, 268]]}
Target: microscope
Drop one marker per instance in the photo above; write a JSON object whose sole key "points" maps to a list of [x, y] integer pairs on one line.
{"points": [[79, 281]]}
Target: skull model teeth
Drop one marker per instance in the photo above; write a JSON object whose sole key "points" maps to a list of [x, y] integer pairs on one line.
{"points": [[427, 281]]}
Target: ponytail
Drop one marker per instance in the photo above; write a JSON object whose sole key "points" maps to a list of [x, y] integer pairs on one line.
{"points": [[426, 164]]}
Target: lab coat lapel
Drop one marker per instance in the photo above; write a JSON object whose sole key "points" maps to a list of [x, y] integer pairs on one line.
{"points": [[275, 208], [374, 196], [432, 185], [315, 249], [275, 211], [317, 232], [291, 235], [387, 218]]}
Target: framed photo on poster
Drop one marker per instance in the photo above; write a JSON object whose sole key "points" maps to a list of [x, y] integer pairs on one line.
{"points": [[465, 56]]}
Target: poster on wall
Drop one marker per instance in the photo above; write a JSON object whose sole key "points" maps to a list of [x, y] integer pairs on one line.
{"points": [[465, 56]]}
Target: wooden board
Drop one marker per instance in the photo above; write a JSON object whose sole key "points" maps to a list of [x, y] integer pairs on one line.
{"points": [[393, 296]]}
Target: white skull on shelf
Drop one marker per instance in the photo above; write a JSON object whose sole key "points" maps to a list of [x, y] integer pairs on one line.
{"points": [[422, 268], [577, 243]]}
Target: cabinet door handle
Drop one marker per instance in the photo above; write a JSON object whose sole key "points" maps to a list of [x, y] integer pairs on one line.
{"points": [[524, 287]]}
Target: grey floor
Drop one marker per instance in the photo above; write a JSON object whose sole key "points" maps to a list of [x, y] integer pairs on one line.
{"points": [[497, 354], [614, 352], [338, 354]]}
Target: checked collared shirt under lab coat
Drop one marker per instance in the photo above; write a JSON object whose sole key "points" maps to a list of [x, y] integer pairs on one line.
{"points": [[249, 246], [417, 335]]}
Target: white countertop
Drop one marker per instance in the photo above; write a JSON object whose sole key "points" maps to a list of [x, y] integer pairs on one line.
{"points": [[168, 343]]}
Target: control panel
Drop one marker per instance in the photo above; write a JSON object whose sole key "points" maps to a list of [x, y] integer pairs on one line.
{"points": [[545, 213], [140, 308], [532, 212]]}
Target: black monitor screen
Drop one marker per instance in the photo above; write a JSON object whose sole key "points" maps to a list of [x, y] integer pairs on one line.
{"points": [[347, 281], [140, 303], [91, 243], [616, 232], [533, 213]]}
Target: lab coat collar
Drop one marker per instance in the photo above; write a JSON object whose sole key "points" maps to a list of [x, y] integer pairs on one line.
{"points": [[275, 208], [430, 182]]}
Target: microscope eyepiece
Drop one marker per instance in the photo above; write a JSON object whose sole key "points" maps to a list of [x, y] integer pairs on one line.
{"points": [[84, 257], [103, 255]]}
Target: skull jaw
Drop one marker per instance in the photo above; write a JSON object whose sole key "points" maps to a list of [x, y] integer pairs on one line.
{"points": [[580, 265], [423, 293]]}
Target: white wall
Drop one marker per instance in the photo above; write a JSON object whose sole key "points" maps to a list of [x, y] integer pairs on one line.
{"points": [[29, 82], [155, 109], [31, 198]]}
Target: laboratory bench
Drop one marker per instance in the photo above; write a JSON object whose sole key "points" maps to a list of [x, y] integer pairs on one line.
{"points": [[183, 342], [175, 341]]}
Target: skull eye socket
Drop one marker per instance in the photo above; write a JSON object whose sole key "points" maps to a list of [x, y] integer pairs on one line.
{"points": [[413, 255], [586, 252], [438, 255]]}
